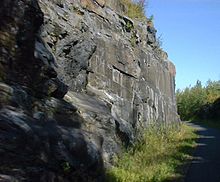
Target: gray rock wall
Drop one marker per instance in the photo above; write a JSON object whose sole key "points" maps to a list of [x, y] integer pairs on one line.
{"points": [[77, 82], [104, 55], [41, 138]]}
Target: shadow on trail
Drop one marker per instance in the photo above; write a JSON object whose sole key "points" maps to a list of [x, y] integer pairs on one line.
{"points": [[183, 162], [205, 165]]}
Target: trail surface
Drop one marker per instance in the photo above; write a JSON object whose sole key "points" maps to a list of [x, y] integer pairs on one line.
{"points": [[205, 166]]}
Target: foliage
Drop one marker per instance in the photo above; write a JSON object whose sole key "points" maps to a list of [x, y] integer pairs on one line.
{"points": [[134, 9], [213, 91], [133, 40], [157, 157], [151, 18], [197, 101], [129, 26], [159, 41], [66, 166]]}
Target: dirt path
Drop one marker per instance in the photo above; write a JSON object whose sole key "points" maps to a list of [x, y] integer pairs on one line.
{"points": [[205, 166]]}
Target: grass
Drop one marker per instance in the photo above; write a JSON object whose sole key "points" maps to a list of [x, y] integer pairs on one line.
{"points": [[134, 10], [159, 156]]}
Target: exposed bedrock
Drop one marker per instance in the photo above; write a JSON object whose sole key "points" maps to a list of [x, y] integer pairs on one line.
{"points": [[78, 80], [118, 77], [41, 137]]}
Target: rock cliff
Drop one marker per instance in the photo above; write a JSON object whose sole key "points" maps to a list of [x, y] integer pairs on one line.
{"points": [[78, 80]]}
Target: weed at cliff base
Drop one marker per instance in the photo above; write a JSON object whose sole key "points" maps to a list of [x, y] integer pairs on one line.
{"points": [[157, 157]]}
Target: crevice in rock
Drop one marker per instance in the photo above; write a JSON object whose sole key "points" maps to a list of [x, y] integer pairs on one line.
{"points": [[124, 73]]}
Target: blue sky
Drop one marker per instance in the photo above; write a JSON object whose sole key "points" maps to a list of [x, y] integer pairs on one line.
{"points": [[190, 31]]}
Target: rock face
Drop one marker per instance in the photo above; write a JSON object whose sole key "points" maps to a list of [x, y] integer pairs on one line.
{"points": [[77, 81], [118, 77], [41, 139]]}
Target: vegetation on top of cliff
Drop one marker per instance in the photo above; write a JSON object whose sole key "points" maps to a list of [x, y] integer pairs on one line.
{"points": [[198, 102], [135, 9], [157, 157]]}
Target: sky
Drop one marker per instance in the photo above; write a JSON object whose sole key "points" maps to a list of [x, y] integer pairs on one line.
{"points": [[190, 33]]}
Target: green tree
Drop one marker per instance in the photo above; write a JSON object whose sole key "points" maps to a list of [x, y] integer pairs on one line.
{"points": [[197, 101], [212, 90]]}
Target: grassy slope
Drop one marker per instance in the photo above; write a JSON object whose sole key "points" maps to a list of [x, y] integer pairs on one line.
{"points": [[158, 157]]}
